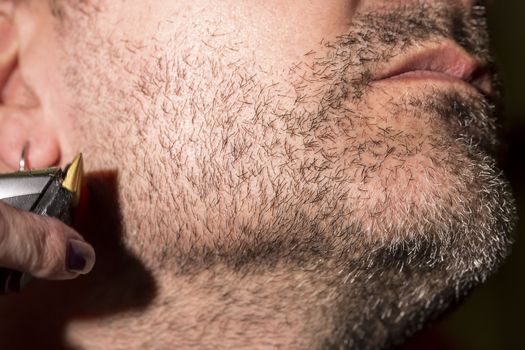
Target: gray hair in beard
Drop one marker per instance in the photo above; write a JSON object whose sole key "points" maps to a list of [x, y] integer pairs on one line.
{"points": [[384, 286], [380, 282], [399, 285]]}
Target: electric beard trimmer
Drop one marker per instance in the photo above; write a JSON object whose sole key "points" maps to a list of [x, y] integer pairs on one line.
{"points": [[50, 192]]}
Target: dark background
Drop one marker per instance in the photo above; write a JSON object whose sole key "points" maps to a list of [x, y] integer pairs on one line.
{"points": [[493, 317]]}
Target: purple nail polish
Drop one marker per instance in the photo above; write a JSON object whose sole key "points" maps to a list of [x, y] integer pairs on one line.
{"points": [[80, 257]]}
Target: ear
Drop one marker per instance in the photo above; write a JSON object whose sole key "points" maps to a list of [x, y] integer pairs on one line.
{"points": [[22, 118]]}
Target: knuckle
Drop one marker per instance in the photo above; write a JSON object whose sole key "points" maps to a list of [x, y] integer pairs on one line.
{"points": [[4, 229], [33, 244], [50, 250]]}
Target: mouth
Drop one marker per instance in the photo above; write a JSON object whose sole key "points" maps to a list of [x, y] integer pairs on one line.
{"points": [[443, 62]]}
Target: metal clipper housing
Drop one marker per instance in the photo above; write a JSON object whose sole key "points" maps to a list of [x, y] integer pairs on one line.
{"points": [[50, 192]]}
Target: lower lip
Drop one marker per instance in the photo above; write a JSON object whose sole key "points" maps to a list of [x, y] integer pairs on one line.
{"points": [[428, 77], [424, 75]]}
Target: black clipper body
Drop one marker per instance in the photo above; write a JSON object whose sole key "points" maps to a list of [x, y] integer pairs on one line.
{"points": [[50, 192]]}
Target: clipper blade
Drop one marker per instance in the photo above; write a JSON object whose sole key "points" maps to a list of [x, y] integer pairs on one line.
{"points": [[73, 179]]}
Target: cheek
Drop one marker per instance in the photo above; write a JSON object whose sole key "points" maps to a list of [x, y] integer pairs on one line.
{"points": [[282, 32]]}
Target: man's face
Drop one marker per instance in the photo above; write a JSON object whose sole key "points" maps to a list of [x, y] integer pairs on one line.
{"points": [[345, 146]]}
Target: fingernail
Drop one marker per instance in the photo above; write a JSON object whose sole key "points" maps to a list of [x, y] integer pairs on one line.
{"points": [[80, 257]]}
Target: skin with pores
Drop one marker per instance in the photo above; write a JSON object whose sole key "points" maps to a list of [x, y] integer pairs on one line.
{"points": [[252, 182]]}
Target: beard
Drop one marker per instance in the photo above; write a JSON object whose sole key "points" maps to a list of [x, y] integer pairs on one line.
{"points": [[384, 213]]}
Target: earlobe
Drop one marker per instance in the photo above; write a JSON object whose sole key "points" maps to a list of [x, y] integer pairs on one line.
{"points": [[21, 117], [20, 127]]}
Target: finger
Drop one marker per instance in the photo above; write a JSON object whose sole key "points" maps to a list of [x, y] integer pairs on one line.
{"points": [[41, 246]]}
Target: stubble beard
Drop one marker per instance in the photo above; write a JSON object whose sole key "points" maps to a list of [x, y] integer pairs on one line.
{"points": [[303, 195]]}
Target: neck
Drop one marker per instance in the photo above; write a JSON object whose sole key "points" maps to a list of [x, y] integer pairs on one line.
{"points": [[219, 309]]}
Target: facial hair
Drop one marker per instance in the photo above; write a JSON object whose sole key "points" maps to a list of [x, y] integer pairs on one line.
{"points": [[256, 173]]}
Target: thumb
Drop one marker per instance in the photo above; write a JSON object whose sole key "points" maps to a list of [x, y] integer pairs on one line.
{"points": [[42, 246]]}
